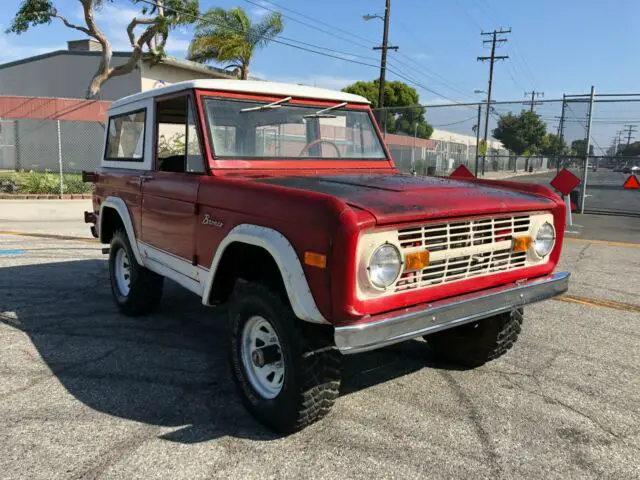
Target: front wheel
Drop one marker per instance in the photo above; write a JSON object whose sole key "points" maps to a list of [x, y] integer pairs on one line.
{"points": [[136, 290], [476, 343], [287, 372]]}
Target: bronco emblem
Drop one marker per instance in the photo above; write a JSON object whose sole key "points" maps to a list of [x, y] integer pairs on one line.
{"points": [[207, 220]]}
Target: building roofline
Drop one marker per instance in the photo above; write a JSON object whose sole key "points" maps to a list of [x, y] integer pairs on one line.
{"points": [[171, 61], [56, 53]]}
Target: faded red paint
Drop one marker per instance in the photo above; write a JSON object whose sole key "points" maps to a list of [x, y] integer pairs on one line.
{"points": [[44, 108], [408, 141], [320, 206]]}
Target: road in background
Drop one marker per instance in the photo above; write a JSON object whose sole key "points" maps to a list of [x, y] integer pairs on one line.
{"points": [[604, 191]]}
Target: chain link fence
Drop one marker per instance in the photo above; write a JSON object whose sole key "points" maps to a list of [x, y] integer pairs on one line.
{"points": [[457, 138], [46, 143]]}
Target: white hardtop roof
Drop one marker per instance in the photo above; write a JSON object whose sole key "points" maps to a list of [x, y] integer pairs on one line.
{"points": [[246, 86]]}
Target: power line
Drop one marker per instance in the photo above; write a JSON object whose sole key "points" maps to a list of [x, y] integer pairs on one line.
{"points": [[333, 27], [333, 34], [510, 68], [444, 82], [485, 13], [533, 102], [447, 83], [455, 123], [516, 50], [468, 15], [337, 54]]}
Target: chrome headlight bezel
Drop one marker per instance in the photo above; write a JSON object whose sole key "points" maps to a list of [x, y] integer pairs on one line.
{"points": [[545, 240], [375, 272]]}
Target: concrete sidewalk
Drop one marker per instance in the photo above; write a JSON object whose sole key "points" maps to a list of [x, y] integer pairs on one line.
{"points": [[59, 217], [507, 174]]}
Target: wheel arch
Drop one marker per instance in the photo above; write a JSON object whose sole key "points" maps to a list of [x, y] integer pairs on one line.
{"points": [[112, 210], [269, 242]]}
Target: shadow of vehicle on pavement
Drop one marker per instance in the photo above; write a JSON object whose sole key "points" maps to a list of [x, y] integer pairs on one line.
{"points": [[167, 369]]}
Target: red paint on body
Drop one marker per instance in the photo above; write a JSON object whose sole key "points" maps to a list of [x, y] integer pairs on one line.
{"points": [[321, 206]]}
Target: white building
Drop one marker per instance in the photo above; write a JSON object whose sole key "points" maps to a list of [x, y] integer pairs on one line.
{"points": [[468, 140], [67, 73]]}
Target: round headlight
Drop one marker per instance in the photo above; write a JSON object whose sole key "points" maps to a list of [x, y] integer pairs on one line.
{"points": [[384, 266], [545, 239]]}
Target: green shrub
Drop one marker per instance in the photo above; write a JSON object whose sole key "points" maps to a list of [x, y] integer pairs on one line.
{"points": [[36, 182], [49, 183], [73, 184]]}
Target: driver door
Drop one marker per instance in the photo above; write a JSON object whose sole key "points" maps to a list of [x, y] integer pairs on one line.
{"points": [[170, 193]]}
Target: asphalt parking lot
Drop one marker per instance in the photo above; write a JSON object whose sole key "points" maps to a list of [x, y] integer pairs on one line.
{"points": [[87, 393]]}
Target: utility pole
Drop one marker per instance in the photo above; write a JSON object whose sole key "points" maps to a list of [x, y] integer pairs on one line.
{"points": [[478, 138], [384, 48], [494, 41], [533, 94], [586, 153], [630, 129], [561, 130]]}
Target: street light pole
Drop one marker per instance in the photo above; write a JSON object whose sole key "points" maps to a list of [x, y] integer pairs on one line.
{"points": [[383, 48], [383, 56], [478, 138]]}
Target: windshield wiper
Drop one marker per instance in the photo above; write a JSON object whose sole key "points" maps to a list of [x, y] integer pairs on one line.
{"points": [[321, 113], [276, 104]]}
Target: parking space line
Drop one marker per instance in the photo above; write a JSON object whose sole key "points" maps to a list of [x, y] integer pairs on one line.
{"points": [[602, 242], [597, 302], [48, 235]]}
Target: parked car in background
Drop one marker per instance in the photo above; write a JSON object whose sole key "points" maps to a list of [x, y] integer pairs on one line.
{"points": [[283, 203]]}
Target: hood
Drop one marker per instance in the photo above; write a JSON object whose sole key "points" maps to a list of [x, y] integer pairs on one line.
{"points": [[402, 198]]}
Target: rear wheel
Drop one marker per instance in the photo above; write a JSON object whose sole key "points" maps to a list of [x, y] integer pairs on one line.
{"points": [[476, 343], [136, 290], [286, 371]]}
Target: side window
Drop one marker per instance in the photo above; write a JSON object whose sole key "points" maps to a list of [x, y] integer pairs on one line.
{"points": [[178, 146], [125, 138]]}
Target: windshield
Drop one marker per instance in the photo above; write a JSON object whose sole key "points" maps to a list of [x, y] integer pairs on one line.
{"points": [[264, 131]]}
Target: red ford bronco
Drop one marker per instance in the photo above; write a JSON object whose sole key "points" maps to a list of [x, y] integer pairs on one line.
{"points": [[283, 202]]}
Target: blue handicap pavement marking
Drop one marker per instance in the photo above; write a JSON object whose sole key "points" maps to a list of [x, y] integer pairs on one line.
{"points": [[11, 253]]}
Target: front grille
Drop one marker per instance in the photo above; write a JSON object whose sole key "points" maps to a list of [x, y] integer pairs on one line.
{"points": [[464, 249]]}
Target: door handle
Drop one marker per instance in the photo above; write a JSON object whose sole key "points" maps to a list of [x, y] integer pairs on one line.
{"points": [[145, 178]]}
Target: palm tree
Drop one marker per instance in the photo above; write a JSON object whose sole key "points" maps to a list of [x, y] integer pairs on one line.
{"points": [[229, 36]]}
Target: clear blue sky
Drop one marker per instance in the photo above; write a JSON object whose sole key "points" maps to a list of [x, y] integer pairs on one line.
{"points": [[557, 46]]}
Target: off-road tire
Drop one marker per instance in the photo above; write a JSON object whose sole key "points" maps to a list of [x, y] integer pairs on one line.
{"points": [[476, 343], [312, 363], [145, 289]]}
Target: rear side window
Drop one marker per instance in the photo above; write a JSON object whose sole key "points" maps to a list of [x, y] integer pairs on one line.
{"points": [[125, 138]]}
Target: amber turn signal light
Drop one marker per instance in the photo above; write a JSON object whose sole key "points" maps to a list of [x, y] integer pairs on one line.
{"points": [[522, 244], [416, 260], [315, 259]]}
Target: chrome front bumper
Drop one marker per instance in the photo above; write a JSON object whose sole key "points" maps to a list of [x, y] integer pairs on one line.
{"points": [[417, 321]]}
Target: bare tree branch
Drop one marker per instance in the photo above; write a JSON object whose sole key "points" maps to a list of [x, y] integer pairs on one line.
{"points": [[102, 74], [134, 23], [71, 25]]}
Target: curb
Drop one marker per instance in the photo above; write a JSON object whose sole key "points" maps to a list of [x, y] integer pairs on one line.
{"points": [[39, 196]]}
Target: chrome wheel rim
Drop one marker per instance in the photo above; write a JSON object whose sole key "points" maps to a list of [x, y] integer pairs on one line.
{"points": [[122, 272], [262, 357]]}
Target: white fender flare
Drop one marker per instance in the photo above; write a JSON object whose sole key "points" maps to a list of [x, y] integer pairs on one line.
{"points": [[119, 206], [295, 282]]}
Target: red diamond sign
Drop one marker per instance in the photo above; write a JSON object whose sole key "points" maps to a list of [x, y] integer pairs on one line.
{"points": [[565, 182], [632, 183], [462, 172]]}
